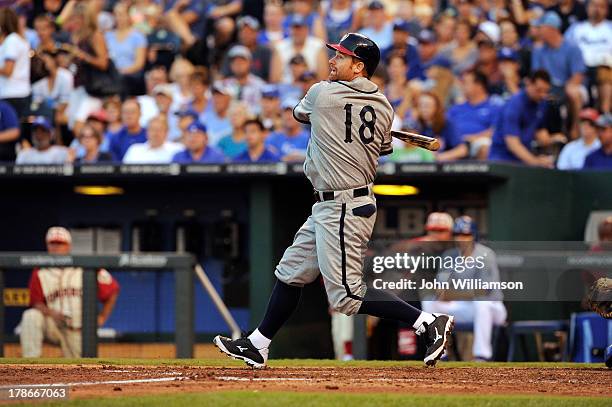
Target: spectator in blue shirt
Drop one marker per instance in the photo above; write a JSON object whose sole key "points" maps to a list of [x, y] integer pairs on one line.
{"points": [[406, 46], [519, 120], [187, 18], [602, 159], [573, 154], [198, 150], [9, 131], [256, 152], [127, 47], [563, 61], [473, 120], [130, 133], [290, 143]]}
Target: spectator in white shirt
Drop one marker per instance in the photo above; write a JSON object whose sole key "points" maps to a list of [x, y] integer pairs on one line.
{"points": [[51, 94], [594, 38], [148, 107], [43, 152], [14, 63], [157, 149], [573, 154]]}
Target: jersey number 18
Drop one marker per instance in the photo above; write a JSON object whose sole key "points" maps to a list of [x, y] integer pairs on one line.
{"points": [[365, 123]]}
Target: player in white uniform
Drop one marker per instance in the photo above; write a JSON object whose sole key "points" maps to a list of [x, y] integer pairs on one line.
{"points": [[350, 123], [56, 302]]}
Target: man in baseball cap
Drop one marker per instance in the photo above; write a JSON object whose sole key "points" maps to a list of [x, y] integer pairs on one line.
{"points": [[58, 240], [573, 153], [484, 309], [197, 149], [601, 159], [439, 226], [44, 152]]}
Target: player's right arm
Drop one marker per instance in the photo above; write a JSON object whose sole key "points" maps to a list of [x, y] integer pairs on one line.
{"points": [[303, 110]]}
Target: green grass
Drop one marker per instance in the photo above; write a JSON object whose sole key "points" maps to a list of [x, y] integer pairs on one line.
{"points": [[291, 363], [265, 399]]}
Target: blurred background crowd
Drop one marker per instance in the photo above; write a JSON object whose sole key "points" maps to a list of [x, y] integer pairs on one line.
{"points": [[154, 81]]}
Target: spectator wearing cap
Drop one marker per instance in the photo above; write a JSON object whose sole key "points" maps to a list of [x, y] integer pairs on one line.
{"points": [[15, 85], [291, 142], [184, 118], [438, 228], [403, 44], [601, 159], [157, 75], [428, 47], [164, 98], [197, 149], [271, 108], [130, 133], [43, 151], [235, 143], [90, 139], [157, 149], [473, 120], [518, 122], [256, 151], [98, 121], [127, 47], [594, 38], [488, 31], [463, 53], [299, 42], [273, 31], [261, 55], [297, 66], [338, 18], [9, 132], [306, 10], [50, 95], [217, 118], [376, 25], [484, 309], [510, 70], [573, 154], [564, 62], [246, 86]]}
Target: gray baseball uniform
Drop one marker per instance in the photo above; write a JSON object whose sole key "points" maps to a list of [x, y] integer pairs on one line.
{"points": [[350, 129]]}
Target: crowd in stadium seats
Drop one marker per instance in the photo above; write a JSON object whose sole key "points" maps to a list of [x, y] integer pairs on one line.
{"points": [[161, 81]]}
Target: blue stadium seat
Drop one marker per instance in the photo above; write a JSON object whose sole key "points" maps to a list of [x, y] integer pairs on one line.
{"points": [[519, 329]]}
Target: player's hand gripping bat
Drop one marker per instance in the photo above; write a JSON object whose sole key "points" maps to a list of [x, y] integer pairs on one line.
{"points": [[419, 140]]}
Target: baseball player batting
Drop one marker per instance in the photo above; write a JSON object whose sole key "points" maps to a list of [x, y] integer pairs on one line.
{"points": [[350, 123]]}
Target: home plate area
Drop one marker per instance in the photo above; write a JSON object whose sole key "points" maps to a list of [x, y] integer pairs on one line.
{"points": [[86, 381]]}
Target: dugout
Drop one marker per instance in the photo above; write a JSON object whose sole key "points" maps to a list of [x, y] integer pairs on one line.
{"points": [[241, 218]]}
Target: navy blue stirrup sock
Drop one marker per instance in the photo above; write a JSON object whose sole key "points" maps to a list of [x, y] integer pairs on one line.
{"points": [[282, 303], [382, 304]]}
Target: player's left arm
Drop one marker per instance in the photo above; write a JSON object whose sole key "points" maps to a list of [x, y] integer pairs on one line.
{"points": [[108, 291], [303, 110]]}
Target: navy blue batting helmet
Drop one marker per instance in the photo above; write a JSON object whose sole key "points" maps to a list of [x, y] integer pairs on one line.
{"points": [[361, 47], [465, 225]]}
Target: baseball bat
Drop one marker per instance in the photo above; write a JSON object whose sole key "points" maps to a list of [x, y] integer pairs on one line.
{"points": [[419, 140]]}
